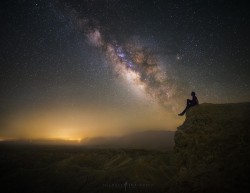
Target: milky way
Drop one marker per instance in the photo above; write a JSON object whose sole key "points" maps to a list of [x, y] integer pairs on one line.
{"points": [[134, 63]]}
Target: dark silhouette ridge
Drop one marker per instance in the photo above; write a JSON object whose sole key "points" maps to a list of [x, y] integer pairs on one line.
{"points": [[190, 103]]}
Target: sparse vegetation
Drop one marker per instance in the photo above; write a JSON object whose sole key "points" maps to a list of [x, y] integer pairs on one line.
{"points": [[76, 169]]}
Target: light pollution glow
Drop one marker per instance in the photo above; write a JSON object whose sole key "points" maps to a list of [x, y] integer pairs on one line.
{"points": [[76, 124]]}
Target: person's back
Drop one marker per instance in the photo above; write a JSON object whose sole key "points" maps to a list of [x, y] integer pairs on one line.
{"points": [[195, 100]]}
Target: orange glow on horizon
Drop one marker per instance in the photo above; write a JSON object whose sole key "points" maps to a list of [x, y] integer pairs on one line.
{"points": [[77, 124]]}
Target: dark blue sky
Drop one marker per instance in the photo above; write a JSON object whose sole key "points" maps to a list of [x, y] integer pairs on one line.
{"points": [[46, 58]]}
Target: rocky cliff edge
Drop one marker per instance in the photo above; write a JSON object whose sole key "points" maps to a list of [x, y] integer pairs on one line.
{"points": [[212, 149]]}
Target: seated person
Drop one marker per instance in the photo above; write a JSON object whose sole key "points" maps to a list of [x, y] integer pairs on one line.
{"points": [[190, 103]]}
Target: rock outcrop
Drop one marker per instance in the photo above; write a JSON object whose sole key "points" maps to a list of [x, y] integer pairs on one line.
{"points": [[213, 149]]}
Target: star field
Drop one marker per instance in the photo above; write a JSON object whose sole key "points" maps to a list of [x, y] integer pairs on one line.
{"points": [[124, 57]]}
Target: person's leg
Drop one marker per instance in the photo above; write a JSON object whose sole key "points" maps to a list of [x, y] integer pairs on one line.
{"points": [[184, 111], [189, 104]]}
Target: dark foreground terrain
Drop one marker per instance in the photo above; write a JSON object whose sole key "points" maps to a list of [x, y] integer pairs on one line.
{"points": [[211, 155], [70, 169]]}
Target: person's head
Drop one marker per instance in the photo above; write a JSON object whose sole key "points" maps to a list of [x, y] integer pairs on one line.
{"points": [[193, 93]]}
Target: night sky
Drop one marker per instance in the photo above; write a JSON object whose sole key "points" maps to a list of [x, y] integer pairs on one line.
{"points": [[72, 69]]}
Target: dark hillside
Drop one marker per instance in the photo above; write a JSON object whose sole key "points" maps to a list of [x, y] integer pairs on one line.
{"points": [[213, 149]]}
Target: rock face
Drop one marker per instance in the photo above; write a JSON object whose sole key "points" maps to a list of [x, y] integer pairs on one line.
{"points": [[212, 149]]}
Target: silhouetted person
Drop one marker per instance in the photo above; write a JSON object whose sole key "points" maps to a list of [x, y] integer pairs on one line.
{"points": [[190, 103]]}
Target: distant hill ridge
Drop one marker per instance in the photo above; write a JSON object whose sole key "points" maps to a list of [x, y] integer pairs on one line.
{"points": [[213, 149], [151, 139]]}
